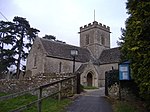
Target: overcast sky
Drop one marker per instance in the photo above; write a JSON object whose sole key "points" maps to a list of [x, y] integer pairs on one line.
{"points": [[62, 18]]}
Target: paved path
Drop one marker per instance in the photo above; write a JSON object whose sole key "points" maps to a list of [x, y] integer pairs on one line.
{"points": [[91, 101]]}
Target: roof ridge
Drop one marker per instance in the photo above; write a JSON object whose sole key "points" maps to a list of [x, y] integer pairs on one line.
{"points": [[62, 43], [111, 48]]}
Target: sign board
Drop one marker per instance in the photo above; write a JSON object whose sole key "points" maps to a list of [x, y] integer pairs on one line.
{"points": [[124, 73]]}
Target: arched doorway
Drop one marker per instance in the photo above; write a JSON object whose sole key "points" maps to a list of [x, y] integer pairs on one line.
{"points": [[89, 79]]}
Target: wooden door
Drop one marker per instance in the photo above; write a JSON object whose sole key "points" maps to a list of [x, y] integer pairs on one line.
{"points": [[89, 79]]}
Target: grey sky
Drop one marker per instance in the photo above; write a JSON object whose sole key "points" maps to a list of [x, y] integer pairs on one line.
{"points": [[62, 18]]}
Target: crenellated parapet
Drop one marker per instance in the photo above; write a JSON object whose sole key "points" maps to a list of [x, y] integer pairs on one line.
{"points": [[95, 24]]}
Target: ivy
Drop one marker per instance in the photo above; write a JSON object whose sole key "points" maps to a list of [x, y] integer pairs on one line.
{"points": [[135, 44]]}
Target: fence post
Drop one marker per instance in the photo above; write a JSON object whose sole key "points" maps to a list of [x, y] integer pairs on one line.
{"points": [[78, 83], [59, 89], [119, 90], [72, 84], [39, 101]]}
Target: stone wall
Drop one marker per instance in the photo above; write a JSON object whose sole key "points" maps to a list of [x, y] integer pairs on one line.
{"points": [[113, 92], [90, 69], [39, 62], [95, 37], [57, 65], [35, 60], [103, 69], [14, 85]]}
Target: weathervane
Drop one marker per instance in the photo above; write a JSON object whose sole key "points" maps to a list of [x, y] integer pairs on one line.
{"points": [[94, 14]]}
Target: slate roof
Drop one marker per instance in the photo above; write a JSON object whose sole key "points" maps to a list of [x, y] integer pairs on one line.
{"points": [[62, 50], [110, 56]]}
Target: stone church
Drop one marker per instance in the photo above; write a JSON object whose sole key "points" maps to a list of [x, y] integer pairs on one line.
{"points": [[92, 59]]}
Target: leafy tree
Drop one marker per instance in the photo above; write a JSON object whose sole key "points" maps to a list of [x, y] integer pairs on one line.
{"points": [[25, 36], [15, 39], [51, 37], [135, 45], [6, 38]]}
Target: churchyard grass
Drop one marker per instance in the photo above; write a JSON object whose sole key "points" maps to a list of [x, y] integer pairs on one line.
{"points": [[48, 105], [121, 106], [2, 94]]}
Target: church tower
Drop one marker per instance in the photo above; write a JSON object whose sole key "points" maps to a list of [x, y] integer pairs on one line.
{"points": [[95, 37]]}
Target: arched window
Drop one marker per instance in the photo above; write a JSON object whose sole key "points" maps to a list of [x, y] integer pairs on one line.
{"points": [[35, 60], [87, 39], [60, 65]]}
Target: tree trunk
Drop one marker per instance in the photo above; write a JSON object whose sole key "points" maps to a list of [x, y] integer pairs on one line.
{"points": [[2, 47], [1, 52], [18, 67], [19, 57]]}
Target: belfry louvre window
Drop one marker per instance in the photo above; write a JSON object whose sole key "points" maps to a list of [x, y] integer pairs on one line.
{"points": [[87, 39], [103, 40]]}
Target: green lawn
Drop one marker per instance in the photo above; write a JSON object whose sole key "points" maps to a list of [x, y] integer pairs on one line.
{"points": [[2, 94], [48, 105]]}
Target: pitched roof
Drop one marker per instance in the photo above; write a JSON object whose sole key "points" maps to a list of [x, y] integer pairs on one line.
{"points": [[110, 56], [81, 68], [62, 50]]}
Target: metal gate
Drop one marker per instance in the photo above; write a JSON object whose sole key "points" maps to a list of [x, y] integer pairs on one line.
{"points": [[111, 82]]}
